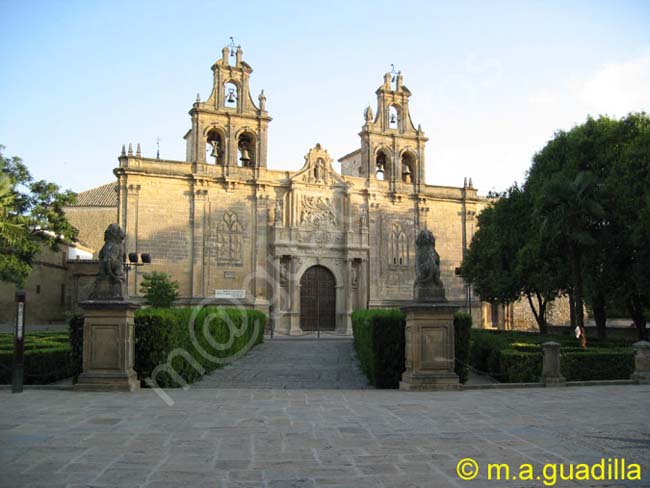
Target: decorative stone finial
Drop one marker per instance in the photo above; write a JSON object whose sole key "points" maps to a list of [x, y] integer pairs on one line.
{"points": [[198, 98], [471, 185], [130, 153], [465, 182], [138, 153], [109, 284], [428, 286], [123, 150], [367, 114], [262, 100]]}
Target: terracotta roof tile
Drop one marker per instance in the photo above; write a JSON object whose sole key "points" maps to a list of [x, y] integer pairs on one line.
{"points": [[102, 196]]}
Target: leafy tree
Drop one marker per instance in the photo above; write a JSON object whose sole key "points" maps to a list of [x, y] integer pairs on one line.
{"points": [[628, 187], [31, 216], [159, 289], [569, 210], [611, 233], [507, 258]]}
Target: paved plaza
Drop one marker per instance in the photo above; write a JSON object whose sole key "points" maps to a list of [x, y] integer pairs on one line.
{"points": [[293, 363], [312, 438]]}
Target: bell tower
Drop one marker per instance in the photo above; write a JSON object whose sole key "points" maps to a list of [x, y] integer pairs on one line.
{"points": [[228, 128], [392, 149]]}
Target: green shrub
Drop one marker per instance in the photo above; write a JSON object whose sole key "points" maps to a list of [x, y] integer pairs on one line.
{"points": [[379, 342], [76, 335], [515, 357], [47, 357], [518, 367], [462, 331], [205, 340], [159, 289], [597, 364]]}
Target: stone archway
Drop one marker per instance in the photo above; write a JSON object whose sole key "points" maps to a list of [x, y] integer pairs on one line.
{"points": [[317, 299]]}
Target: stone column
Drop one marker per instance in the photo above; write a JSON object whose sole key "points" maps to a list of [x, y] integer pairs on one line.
{"points": [[430, 356], [198, 248], [294, 298], [276, 291], [108, 347], [551, 375], [131, 229], [641, 362]]}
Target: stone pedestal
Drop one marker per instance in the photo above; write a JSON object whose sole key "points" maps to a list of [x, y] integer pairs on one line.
{"points": [[108, 347], [429, 351], [641, 362], [551, 375]]}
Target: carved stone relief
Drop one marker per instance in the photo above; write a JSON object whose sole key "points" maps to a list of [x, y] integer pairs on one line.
{"points": [[226, 241], [317, 211]]}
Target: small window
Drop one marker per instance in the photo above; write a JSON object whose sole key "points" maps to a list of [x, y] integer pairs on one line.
{"points": [[38, 289]]}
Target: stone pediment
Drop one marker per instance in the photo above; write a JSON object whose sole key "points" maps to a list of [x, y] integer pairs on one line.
{"points": [[318, 169]]}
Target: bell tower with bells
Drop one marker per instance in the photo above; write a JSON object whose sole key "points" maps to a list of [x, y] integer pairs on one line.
{"points": [[392, 149], [229, 129]]}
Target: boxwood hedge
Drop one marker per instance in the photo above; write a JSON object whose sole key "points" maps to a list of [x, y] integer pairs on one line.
{"points": [[380, 345], [514, 357], [185, 344]]}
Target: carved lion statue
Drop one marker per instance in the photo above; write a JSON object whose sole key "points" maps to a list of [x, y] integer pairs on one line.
{"points": [[428, 286], [110, 281]]}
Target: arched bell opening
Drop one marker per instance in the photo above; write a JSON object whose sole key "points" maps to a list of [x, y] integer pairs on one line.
{"points": [[408, 167], [382, 165], [393, 117], [230, 94], [214, 146], [246, 144]]}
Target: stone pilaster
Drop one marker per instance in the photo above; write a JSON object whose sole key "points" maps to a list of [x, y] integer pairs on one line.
{"points": [[108, 347], [430, 356], [551, 375], [641, 362]]}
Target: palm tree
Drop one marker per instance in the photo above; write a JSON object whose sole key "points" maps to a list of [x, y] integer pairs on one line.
{"points": [[12, 228], [569, 211]]}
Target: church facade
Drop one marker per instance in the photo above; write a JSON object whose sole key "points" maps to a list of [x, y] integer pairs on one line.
{"points": [[307, 247]]}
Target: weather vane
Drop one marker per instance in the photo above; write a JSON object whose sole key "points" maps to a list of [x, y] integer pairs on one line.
{"points": [[232, 46], [393, 72]]}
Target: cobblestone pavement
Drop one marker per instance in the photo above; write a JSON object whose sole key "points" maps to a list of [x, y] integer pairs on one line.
{"points": [[313, 438], [296, 363]]}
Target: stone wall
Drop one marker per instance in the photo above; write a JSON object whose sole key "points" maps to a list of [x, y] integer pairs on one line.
{"points": [[91, 223], [45, 289]]}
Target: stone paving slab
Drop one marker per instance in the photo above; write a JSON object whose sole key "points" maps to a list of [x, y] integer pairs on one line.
{"points": [[293, 363], [313, 438]]}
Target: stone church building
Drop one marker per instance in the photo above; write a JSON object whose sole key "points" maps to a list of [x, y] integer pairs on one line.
{"points": [[307, 247]]}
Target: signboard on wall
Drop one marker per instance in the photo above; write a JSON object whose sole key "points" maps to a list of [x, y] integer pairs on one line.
{"points": [[230, 294]]}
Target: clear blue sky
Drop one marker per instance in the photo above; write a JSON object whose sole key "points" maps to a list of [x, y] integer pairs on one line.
{"points": [[491, 81]]}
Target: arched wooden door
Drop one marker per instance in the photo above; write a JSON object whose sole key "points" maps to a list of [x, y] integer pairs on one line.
{"points": [[317, 299]]}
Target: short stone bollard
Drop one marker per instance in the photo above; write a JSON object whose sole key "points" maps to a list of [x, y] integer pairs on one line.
{"points": [[551, 375], [641, 362]]}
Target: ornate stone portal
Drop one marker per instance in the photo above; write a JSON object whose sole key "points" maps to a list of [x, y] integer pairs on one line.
{"points": [[108, 335], [429, 334]]}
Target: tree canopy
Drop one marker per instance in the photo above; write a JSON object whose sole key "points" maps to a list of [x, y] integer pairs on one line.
{"points": [[579, 225], [31, 216]]}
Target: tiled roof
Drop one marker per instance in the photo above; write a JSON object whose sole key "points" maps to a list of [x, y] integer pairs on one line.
{"points": [[102, 196]]}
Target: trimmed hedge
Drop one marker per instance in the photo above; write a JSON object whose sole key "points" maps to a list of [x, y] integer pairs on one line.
{"points": [[462, 331], [47, 357], [182, 354], [379, 342], [517, 357]]}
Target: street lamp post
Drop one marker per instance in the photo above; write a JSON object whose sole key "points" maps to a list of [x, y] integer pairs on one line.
{"points": [[19, 344]]}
